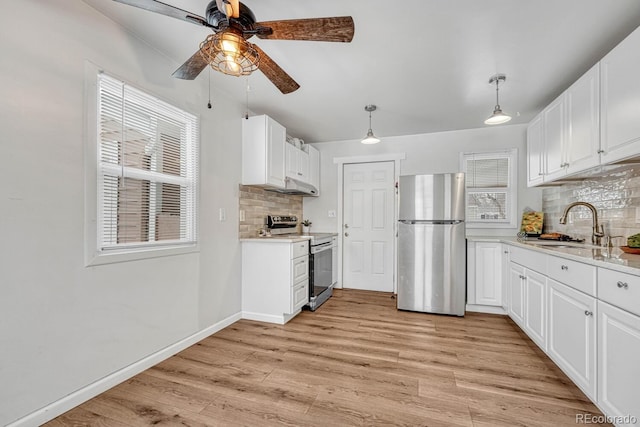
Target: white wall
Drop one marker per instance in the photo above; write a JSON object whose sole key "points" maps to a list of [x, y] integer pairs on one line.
{"points": [[425, 153], [64, 326]]}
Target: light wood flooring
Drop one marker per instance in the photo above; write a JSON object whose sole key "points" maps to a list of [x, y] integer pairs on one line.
{"points": [[355, 361]]}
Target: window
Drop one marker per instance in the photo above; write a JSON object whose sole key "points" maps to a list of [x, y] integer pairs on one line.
{"points": [[146, 172], [491, 196]]}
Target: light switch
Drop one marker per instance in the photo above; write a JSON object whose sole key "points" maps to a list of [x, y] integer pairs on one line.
{"points": [[242, 215], [223, 214], [332, 214]]}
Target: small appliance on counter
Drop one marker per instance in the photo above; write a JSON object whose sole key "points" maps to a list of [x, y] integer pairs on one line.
{"points": [[321, 247]]}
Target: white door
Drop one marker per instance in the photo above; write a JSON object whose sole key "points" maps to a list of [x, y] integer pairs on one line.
{"points": [[368, 226]]}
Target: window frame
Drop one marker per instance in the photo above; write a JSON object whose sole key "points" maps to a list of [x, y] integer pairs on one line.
{"points": [[511, 190], [94, 254]]}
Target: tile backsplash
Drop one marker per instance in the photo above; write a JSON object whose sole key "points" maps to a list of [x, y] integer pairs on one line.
{"points": [[257, 203], [616, 197]]}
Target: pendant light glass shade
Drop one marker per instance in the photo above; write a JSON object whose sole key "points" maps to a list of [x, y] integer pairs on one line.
{"points": [[498, 117], [370, 138]]}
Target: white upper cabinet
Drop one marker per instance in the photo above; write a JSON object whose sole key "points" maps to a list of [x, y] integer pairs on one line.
{"points": [[535, 141], [583, 119], [594, 122], [314, 167], [297, 163], [263, 152], [620, 126], [554, 137]]}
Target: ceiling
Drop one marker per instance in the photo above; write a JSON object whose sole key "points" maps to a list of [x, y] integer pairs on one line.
{"points": [[425, 63]]}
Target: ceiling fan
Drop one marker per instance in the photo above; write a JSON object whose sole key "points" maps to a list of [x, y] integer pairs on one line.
{"points": [[227, 49]]}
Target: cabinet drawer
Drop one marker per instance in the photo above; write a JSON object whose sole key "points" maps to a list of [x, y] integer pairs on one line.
{"points": [[299, 295], [531, 259], [299, 269], [575, 274], [619, 289], [299, 249]]}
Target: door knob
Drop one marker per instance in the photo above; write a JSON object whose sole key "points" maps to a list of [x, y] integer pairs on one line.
{"points": [[346, 234], [346, 226]]}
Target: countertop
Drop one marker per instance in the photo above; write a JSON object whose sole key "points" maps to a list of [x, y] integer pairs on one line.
{"points": [[277, 239], [613, 259]]}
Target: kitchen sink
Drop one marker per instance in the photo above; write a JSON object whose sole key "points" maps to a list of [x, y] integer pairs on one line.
{"points": [[557, 244]]}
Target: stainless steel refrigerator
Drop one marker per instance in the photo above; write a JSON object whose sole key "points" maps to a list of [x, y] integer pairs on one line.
{"points": [[431, 244]]}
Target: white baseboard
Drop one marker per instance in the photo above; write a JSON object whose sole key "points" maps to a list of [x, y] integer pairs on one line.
{"points": [[74, 399], [261, 317], [485, 309]]}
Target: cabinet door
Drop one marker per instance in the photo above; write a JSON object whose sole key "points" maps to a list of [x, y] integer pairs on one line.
{"points": [[620, 91], [291, 161], [572, 334], [314, 168], [516, 293], [303, 166], [535, 288], [618, 367], [554, 135], [505, 277], [276, 141], [488, 272], [583, 120], [535, 145]]}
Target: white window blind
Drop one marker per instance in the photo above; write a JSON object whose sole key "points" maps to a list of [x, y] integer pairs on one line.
{"points": [[147, 169], [491, 188]]}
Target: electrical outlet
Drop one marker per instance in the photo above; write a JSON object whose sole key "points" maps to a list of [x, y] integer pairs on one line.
{"points": [[332, 214], [222, 214]]}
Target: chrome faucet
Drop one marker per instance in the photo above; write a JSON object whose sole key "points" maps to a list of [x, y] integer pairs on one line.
{"points": [[598, 231]]}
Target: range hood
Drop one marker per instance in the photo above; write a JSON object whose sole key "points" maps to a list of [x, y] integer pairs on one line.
{"points": [[293, 186]]}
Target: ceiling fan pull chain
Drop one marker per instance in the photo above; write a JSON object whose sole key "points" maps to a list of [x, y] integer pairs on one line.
{"points": [[209, 103], [247, 90]]}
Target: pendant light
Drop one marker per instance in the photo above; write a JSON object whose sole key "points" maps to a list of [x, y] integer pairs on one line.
{"points": [[498, 117], [370, 138]]}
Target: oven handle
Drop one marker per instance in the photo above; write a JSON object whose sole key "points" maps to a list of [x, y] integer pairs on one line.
{"points": [[320, 248]]}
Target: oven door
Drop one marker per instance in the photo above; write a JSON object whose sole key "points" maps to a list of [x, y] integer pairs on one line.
{"points": [[321, 269]]}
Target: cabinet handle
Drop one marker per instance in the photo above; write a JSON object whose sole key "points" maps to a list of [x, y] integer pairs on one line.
{"points": [[564, 267], [506, 252], [300, 173], [523, 277], [588, 313], [600, 151], [623, 285]]}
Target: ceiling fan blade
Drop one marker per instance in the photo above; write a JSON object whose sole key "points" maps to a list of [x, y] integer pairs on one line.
{"points": [[335, 29], [192, 68], [277, 75], [167, 10]]}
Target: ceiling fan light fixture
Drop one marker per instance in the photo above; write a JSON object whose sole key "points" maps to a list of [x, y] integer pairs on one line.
{"points": [[498, 117], [370, 138], [229, 53]]}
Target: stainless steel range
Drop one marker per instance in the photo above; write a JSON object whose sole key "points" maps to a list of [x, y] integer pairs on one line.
{"points": [[321, 249]]}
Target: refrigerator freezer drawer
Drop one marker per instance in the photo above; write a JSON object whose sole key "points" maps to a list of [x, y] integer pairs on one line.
{"points": [[432, 267]]}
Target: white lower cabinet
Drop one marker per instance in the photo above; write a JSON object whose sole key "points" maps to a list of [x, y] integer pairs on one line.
{"points": [[594, 337], [535, 293], [572, 334], [484, 276], [516, 293], [275, 280], [618, 363]]}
